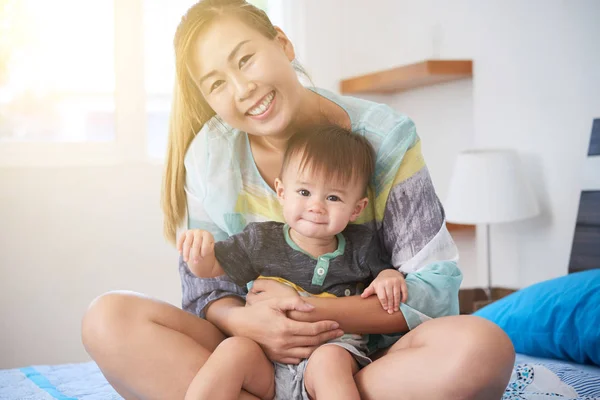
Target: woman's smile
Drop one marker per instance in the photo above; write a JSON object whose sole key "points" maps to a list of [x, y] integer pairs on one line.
{"points": [[262, 109], [262, 105]]}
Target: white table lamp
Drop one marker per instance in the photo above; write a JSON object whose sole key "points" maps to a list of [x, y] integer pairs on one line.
{"points": [[488, 187]]}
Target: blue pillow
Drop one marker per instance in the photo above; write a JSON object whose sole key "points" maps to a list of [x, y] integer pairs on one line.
{"points": [[559, 318]]}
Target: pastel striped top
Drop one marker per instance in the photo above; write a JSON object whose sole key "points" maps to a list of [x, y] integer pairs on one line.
{"points": [[225, 192]]}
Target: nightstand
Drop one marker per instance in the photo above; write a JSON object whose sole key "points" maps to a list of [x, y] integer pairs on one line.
{"points": [[471, 300]]}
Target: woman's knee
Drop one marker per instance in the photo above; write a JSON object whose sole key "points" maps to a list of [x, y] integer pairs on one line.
{"points": [[107, 318], [482, 356], [464, 334], [490, 355], [481, 341]]}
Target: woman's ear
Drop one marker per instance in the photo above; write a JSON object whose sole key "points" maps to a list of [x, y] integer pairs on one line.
{"points": [[279, 189], [360, 206], [286, 44]]}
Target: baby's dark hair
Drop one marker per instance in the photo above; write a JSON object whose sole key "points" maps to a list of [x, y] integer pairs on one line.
{"points": [[339, 154]]}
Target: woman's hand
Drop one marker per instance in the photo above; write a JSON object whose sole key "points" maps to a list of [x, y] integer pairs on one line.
{"points": [[283, 340], [265, 289]]}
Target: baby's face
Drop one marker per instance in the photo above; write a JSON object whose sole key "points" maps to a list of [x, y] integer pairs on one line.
{"points": [[315, 207]]}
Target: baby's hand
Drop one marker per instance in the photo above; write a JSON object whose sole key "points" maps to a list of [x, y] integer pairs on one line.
{"points": [[390, 288], [195, 244]]}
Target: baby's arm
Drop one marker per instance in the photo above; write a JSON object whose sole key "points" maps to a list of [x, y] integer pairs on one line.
{"points": [[198, 250], [390, 288]]}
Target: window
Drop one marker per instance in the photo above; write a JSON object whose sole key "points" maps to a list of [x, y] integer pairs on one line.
{"points": [[57, 78], [88, 82]]}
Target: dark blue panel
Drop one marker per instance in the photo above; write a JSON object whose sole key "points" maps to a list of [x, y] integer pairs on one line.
{"points": [[594, 149], [585, 252], [589, 208]]}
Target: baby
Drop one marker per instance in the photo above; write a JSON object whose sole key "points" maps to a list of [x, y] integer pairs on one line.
{"points": [[322, 188]]}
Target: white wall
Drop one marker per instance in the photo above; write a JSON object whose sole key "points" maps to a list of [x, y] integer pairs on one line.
{"points": [[66, 236], [535, 88]]}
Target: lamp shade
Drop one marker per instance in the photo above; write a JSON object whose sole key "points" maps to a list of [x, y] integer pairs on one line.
{"points": [[487, 186]]}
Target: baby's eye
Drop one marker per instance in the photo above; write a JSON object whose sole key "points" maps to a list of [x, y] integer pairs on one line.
{"points": [[333, 198], [304, 192], [216, 85]]}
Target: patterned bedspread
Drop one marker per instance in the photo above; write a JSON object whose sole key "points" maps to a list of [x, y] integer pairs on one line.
{"points": [[552, 380], [532, 379]]}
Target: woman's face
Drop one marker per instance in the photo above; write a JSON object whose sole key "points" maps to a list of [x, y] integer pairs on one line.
{"points": [[246, 77]]}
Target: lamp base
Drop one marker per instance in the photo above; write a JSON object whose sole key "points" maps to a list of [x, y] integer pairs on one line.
{"points": [[472, 299]]}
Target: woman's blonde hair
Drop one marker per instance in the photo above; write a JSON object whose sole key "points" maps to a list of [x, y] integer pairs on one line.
{"points": [[189, 110]]}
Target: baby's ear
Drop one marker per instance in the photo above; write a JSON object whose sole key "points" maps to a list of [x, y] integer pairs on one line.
{"points": [[360, 206], [279, 189]]}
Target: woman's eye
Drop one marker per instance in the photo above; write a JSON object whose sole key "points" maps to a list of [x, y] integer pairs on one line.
{"points": [[333, 198], [216, 85], [245, 59], [304, 192]]}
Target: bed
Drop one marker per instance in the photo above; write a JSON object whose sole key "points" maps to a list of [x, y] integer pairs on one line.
{"points": [[533, 378], [568, 368]]}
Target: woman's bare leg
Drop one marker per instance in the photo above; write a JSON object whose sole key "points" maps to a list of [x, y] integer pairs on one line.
{"points": [[147, 349], [459, 357], [330, 374], [236, 363]]}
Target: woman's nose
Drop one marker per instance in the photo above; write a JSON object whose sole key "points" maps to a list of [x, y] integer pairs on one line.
{"points": [[244, 88]]}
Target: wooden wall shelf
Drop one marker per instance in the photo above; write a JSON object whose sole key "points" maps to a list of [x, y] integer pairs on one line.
{"points": [[460, 228], [407, 77]]}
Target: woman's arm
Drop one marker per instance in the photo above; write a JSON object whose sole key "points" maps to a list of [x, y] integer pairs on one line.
{"points": [[199, 293], [412, 227], [222, 313], [353, 314], [283, 339]]}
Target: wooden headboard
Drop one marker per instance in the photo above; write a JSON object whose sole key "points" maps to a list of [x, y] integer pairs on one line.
{"points": [[585, 252]]}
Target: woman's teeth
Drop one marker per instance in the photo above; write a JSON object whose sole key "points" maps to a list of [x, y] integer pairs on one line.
{"points": [[262, 107]]}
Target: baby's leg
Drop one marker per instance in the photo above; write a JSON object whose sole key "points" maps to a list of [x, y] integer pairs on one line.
{"points": [[330, 374], [237, 363]]}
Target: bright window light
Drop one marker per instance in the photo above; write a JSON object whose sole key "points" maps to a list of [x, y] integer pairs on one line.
{"points": [[57, 74]]}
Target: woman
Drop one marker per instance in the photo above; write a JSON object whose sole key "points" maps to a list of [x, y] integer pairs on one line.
{"points": [[237, 101]]}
